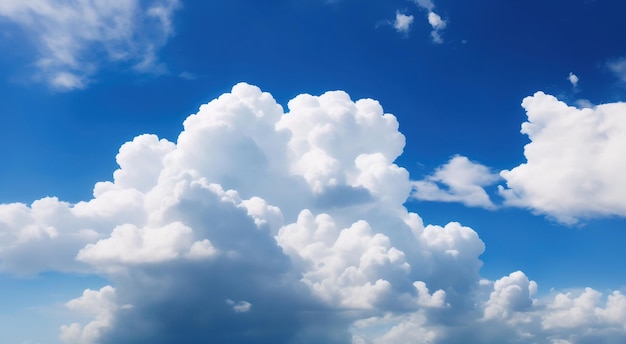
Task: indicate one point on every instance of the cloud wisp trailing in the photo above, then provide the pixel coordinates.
(260, 226)
(73, 38)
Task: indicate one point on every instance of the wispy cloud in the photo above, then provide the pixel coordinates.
(74, 38)
(618, 68)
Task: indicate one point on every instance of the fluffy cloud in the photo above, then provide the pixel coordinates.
(69, 34)
(100, 306)
(572, 170)
(403, 22)
(573, 79)
(438, 25)
(264, 226)
(574, 161)
(462, 180)
(434, 19)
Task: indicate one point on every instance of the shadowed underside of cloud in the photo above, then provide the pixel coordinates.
(260, 226)
(73, 37)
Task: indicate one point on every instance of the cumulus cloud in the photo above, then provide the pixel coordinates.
(572, 170)
(69, 35)
(573, 162)
(403, 22)
(459, 180)
(260, 225)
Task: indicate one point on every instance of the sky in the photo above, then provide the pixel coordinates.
(311, 171)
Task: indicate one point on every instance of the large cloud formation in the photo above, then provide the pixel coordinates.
(575, 160)
(260, 226)
(71, 35)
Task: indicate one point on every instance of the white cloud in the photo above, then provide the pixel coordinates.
(459, 180)
(403, 22)
(70, 35)
(239, 306)
(512, 293)
(260, 225)
(573, 79)
(436, 22)
(99, 305)
(574, 161)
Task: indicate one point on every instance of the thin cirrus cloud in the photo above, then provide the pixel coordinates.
(220, 237)
(573, 168)
(618, 68)
(69, 36)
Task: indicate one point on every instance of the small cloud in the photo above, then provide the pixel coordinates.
(403, 22)
(436, 22)
(68, 81)
(459, 180)
(239, 306)
(573, 79)
(438, 25)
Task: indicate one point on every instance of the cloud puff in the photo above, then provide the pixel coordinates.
(574, 161)
(403, 22)
(573, 79)
(262, 226)
(69, 34)
(459, 180)
(434, 19)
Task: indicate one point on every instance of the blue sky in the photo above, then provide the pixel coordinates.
(102, 226)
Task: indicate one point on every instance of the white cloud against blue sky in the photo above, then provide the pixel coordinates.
(314, 213)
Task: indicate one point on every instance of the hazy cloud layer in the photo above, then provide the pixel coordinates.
(74, 37)
(260, 226)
